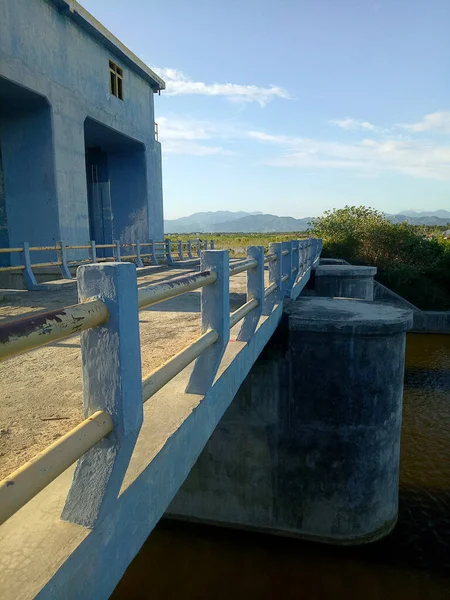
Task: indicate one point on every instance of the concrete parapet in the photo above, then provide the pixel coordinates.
(345, 281)
(310, 445)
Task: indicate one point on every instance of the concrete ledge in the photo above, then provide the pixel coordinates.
(347, 316)
(340, 270)
(432, 321)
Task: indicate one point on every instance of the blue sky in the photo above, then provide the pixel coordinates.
(293, 107)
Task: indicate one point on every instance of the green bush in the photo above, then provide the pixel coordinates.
(410, 264)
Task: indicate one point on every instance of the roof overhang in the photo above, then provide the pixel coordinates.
(74, 11)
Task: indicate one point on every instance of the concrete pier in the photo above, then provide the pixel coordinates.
(345, 281)
(310, 445)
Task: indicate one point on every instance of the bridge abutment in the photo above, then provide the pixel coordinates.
(310, 445)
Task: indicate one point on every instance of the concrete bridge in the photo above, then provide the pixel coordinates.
(72, 531)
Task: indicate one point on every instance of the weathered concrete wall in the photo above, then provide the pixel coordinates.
(43, 50)
(345, 281)
(310, 445)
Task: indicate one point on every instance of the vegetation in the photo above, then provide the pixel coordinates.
(413, 261)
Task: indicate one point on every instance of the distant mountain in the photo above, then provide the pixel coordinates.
(202, 222)
(419, 214)
(235, 222)
(263, 224)
(430, 218)
(224, 221)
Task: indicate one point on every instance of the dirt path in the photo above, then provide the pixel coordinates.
(41, 392)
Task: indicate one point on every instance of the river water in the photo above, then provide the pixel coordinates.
(199, 562)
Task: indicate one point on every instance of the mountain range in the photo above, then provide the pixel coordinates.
(223, 221)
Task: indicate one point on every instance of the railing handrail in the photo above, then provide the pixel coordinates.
(32, 477)
(27, 333)
(20, 335)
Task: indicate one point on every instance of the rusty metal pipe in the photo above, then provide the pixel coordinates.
(21, 335)
(148, 296)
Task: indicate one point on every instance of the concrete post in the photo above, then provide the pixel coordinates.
(189, 249)
(170, 260)
(117, 250)
(153, 259)
(211, 244)
(275, 270)
(30, 279)
(199, 248)
(255, 289)
(345, 281)
(139, 262)
(180, 250)
(215, 306)
(93, 251)
(295, 246)
(112, 382)
(62, 258)
(286, 265)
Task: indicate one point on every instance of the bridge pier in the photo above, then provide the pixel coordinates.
(345, 281)
(310, 445)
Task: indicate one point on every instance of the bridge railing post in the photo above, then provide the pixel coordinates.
(139, 262)
(153, 259)
(287, 267)
(169, 257)
(295, 259)
(215, 307)
(199, 248)
(92, 251)
(117, 250)
(211, 244)
(112, 382)
(61, 251)
(275, 270)
(189, 249)
(180, 250)
(30, 279)
(255, 290)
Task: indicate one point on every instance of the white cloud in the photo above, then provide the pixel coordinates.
(367, 156)
(182, 136)
(437, 121)
(350, 123)
(177, 83)
(414, 158)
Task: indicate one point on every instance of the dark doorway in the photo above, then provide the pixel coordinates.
(116, 184)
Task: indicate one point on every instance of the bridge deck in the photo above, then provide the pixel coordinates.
(42, 395)
(42, 555)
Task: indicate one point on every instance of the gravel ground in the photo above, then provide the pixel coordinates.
(41, 391)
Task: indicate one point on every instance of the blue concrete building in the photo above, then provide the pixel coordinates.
(79, 158)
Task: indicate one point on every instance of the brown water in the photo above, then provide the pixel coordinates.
(198, 562)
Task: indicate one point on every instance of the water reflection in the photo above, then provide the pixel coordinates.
(195, 562)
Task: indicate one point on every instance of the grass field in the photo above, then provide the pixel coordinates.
(236, 243)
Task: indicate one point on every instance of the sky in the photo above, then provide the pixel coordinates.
(293, 107)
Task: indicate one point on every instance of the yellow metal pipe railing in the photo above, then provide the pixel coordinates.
(32, 477)
(243, 265)
(153, 294)
(158, 378)
(242, 311)
(270, 290)
(21, 335)
(15, 268)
